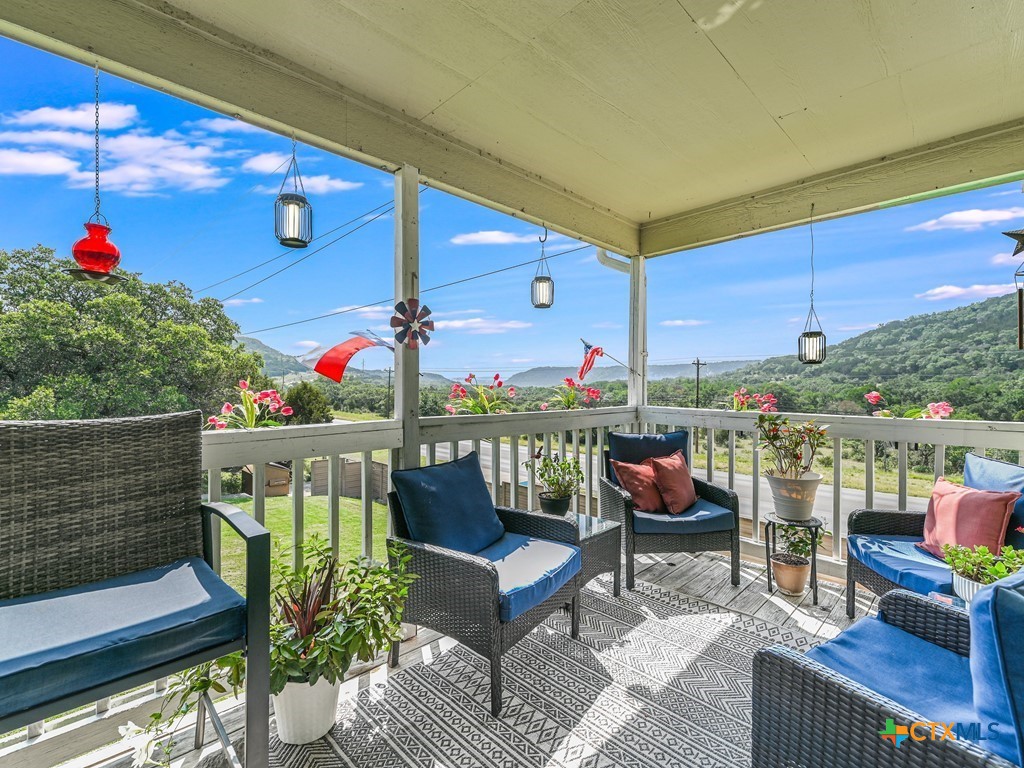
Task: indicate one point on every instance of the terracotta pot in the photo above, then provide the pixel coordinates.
(306, 712)
(965, 588)
(794, 498)
(790, 573)
(554, 505)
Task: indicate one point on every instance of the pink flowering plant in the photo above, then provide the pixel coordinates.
(475, 397)
(742, 400)
(790, 447)
(941, 410)
(572, 395)
(257, 409)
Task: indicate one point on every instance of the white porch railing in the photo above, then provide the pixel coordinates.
(504, 442)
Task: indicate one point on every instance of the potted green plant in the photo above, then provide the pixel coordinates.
(974, 567)
(561, 477)
(792, 565)
(791, 448)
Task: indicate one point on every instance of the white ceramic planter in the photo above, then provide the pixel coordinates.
(794, 499)
(306, 712)
(965, 588)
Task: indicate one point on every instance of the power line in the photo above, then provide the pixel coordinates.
(424, 290)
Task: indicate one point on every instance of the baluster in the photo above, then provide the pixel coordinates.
(431, 454)
(476, 446)
(35, 730)
(940, 461)
(755, 490)
(259, 492)
(588, 478)
(453, 450)
(298, 510)
(690, 443)
(531, 480)
(837, 496)
(576, 455)
(869, 474)
(902, 470)
(334, 503)
(366, 500)
(214, 494)
(732, 459)
(513, 470)
(102, 706)
(711, 454)
(978, 451)
(547, 443)
(496, 470)
(160, 684)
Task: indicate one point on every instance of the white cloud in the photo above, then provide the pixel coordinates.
(455, 312)
(966, 292)
(1007, 259)
(969, 220)
(224, 125)
(73, 139)
(683, 323)
(371, 313)
(319, 185)
(266, 162)
(241, 302)
(306, 345)
(482, 325)
(113, 116)
(18, 162)
(492, 237)
(606, 324)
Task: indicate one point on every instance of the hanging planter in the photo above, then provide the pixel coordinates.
(542, 289)
(95, 255)
(811, 344)
(293, 215)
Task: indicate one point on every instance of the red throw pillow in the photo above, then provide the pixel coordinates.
(674, 481)
(966, 517)
(638, 479)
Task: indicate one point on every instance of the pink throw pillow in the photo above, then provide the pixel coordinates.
(638, 479)
(966, 517)
(674, 481)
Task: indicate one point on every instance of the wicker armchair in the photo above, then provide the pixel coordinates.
(617, 504)
(876, 522)
(806, 714)
(457, 593)
(105, 580)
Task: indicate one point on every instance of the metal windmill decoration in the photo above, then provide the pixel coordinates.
(1018, 236)
(811, 344)
(95, 254)
(411, 324)
(542, 289)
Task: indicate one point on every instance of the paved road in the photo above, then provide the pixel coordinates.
(851, 499)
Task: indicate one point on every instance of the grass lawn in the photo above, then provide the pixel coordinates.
(357, 416)
(279, 522)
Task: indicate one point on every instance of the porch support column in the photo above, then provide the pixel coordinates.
(637, 331)
(407, 286)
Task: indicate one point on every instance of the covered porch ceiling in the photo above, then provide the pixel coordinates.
(644, 126)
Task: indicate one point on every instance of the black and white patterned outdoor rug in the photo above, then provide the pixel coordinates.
(657, 679)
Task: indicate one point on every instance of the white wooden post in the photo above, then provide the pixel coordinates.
(407, 286)
(637, 332)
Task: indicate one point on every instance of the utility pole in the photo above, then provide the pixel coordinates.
(698, 363)
(387, 401)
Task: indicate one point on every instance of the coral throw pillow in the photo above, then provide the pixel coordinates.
(674, 481)
(966, 517)
(639, 480)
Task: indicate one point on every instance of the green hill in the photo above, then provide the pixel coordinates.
(551, 376)
(275, 363)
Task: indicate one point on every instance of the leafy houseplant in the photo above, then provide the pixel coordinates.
(561, 477)
(792, 565)
(480, 398)
(257, 409)
(974, 567)
(572, 395)
(941, 410)
(791, 449)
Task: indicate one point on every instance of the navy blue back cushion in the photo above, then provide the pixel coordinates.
(988, 474)
(633, 449)
(448, 505)
(997, 624)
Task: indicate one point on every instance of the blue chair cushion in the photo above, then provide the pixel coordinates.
(71, 640)
(633, 449)
(701, 517)
(897, 559)
(529, 571)
(987, 474)
(923, 677)
(448, 505)
(997, 626)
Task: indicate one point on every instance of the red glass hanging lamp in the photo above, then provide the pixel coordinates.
(811, 344)
(542, 289)
(293, 215)
(95, 254)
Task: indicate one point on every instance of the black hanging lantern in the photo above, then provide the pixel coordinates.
(1018, 236)
(811, 344)
(293, 215)
(542, 289)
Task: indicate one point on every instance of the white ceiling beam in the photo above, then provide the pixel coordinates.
(994, 155)
(186, 58)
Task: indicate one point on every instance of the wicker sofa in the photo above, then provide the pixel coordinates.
(872, 696)
(645, 533)
(490, 598)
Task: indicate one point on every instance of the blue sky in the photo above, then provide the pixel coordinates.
(190, 192)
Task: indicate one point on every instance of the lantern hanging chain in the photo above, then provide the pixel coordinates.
(96, 157)
(811, 314)
(292, 173)
(542, 264)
